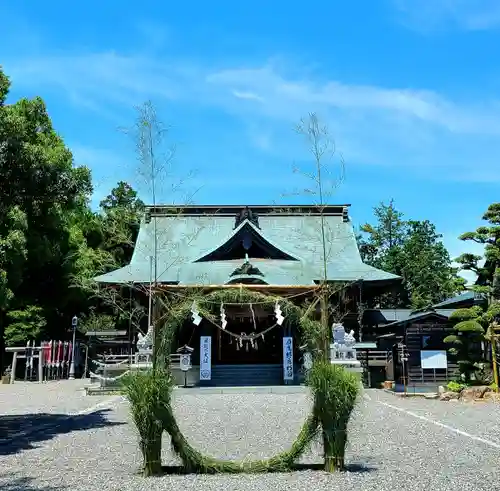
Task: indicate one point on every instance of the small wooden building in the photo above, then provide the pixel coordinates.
(106, 343)
(413, 335)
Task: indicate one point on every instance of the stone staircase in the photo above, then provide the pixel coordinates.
(245, 375)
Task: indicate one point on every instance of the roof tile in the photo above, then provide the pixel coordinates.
(181, 240)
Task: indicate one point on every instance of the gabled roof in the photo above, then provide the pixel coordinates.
(187, 242)
(468, 298)
(247, 230)
(441, 314)
(390, 317)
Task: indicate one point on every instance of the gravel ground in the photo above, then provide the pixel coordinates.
(25, 407)
(454, 413)
(389, 449)
(53, 397)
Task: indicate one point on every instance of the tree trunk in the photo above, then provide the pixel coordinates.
(495, 286)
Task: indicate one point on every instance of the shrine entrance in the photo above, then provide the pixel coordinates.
(265, 348)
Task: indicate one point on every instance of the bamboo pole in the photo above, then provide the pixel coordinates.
(325, 328)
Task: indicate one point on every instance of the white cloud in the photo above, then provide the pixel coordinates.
(104, 78)
(247, 95)
(265, 84)
(390, 126)
(110, 77)
(419, 130)
(432, 15)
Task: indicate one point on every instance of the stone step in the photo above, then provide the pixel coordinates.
(247, 375)
(243, 372)
(248, 379)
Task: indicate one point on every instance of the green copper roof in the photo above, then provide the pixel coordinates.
(292, 239)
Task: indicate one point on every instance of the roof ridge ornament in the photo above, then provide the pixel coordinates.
(247, 269)
(246, 214)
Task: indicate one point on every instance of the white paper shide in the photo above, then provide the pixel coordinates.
(205, 358)
(287, 358)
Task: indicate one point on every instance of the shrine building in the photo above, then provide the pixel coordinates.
(270, 249)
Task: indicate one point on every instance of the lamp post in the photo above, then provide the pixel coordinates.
(74, 323)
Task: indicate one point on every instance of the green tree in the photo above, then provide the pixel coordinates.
(52, 244)
(383, 246)
(104, 241)
(465, 344)
(488, 281)
(27, 324)
(489, 273)
(44, 189)
(413, 250)
(121, 214)
(426, 266)
(123, 196)
(96, 321)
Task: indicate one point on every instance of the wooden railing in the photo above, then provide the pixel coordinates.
(374, 357)
(131, 358)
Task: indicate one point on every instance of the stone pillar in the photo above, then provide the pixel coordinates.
(14, 366)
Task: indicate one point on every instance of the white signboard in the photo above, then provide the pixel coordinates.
(185, 362)
(205, 358)
(433, 360)
(287, 358)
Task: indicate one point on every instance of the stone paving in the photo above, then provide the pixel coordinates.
(395, 444)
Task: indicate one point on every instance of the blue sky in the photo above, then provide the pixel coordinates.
(410, 90)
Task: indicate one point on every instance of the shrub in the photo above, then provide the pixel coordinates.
(455, 386)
